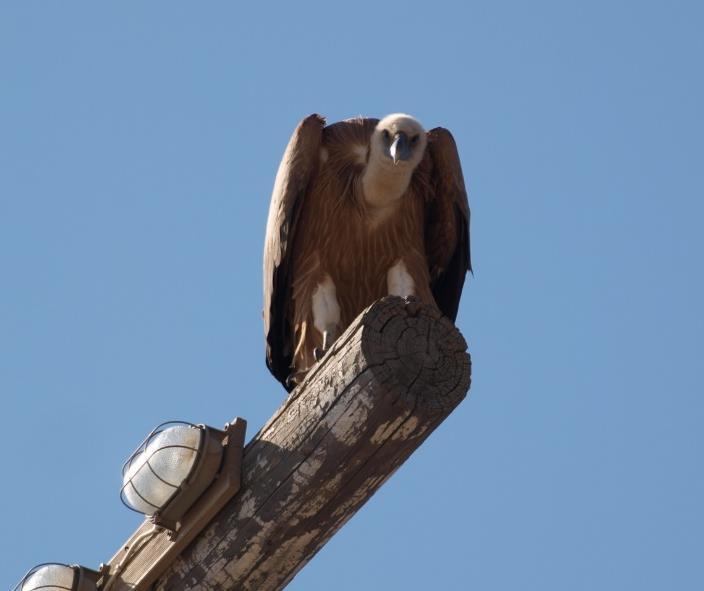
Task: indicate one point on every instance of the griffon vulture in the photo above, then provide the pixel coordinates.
(360, 209)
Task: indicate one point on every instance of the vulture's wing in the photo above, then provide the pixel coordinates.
(297, 167)
(447, 223)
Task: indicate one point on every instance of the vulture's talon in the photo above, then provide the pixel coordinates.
(318, 353)
(412, 305)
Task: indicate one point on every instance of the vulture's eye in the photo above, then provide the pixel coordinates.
(386, 135)
(414, 139)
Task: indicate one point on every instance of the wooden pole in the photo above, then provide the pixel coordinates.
(386, 384)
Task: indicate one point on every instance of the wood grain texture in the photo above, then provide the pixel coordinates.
(386, 384)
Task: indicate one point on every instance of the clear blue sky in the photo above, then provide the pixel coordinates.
(138, 147)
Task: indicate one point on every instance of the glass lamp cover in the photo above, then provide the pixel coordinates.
(49, 577)
(158, 469)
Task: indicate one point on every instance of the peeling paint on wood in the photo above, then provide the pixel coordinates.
(386, 384)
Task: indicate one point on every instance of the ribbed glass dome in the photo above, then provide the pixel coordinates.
(159, 466)
(49, 577)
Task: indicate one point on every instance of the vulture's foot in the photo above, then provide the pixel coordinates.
(413, 305)
(295, 378)
(329, 337)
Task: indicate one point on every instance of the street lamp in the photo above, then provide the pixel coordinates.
(180, 477)
(59, 577)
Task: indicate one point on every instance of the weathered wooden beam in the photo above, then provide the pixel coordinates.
(387, 383)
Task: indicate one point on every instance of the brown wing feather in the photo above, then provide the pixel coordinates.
(447, 223)
(297, 168)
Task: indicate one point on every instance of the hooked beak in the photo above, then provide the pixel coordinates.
(400, 147)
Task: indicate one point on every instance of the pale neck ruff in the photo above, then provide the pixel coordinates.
(383, 183)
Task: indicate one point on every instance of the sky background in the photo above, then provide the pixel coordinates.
(138, 147)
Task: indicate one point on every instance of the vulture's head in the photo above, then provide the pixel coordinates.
(398, 140)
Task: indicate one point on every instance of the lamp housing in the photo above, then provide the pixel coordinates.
(146, 555)
(170, 470)
(54, 576)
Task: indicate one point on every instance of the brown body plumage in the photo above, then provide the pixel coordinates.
(325, 230)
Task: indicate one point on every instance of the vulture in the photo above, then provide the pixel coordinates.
(361, 209)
